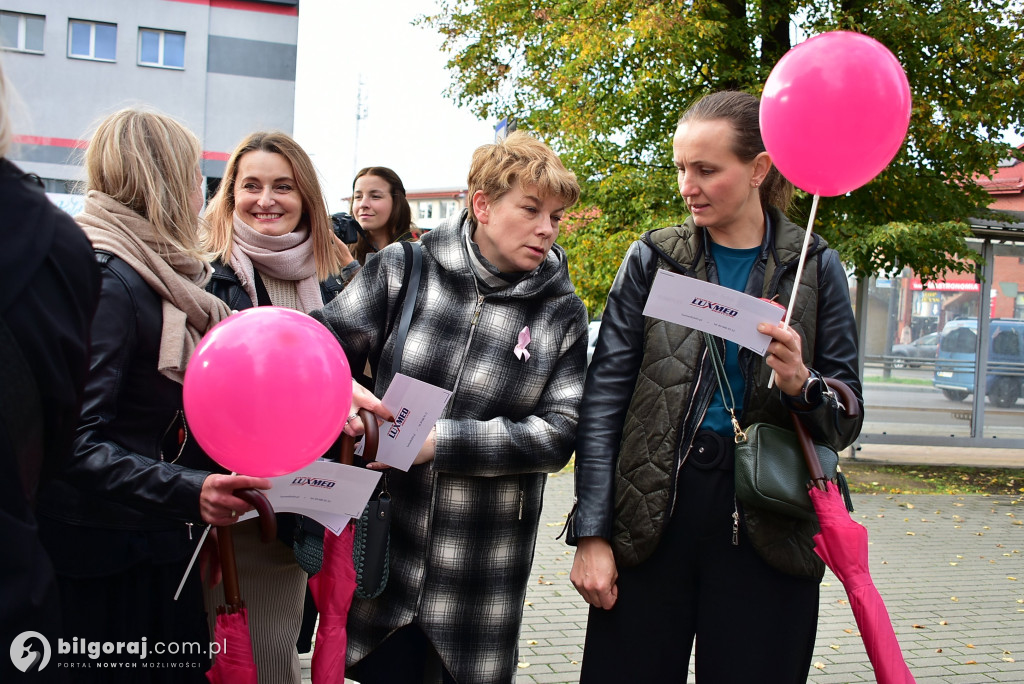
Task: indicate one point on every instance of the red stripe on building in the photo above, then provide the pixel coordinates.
(50, 142)
(244, 6)
(83, 144)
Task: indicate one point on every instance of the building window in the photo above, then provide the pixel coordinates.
(449, 208)
(161, 48)
(22, 32)
(426, 210)
(92, 40)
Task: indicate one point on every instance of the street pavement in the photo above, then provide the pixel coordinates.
(950, 569)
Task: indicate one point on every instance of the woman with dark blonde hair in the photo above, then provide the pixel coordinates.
(271, 233)
(665, 555)
(118, 521)
(382, 211)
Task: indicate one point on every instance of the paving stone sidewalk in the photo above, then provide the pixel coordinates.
(950, 569)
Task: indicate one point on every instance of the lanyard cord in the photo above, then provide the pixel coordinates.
(723, 383)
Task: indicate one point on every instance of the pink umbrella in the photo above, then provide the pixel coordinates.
(235, 664)
(333, 588)
(843, 544)
(335, 584)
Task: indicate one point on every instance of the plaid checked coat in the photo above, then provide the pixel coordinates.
(464, 526)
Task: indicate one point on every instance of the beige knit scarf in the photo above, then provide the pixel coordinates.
(285, 257)
(178, 278)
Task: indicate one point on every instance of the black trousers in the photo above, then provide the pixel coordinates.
(405, 657)
(751, 622)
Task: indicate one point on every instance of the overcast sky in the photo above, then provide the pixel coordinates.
(410, 126)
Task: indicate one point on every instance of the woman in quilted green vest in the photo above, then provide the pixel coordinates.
(664, 552)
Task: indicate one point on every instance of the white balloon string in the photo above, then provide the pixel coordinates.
(195, 554)
(799, 273)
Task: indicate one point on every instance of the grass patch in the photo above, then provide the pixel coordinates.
(875, 478)
(898, 380)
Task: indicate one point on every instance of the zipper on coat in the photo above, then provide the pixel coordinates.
(469, 341)
(182, 435)
(686, 453)
(735, 522)
(445, 414)
(522, 500)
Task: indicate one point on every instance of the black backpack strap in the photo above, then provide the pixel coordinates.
(412, 286)
(21, 410)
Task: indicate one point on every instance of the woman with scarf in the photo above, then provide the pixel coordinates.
(118, 522)
(271, 232)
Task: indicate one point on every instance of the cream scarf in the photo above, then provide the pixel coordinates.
(285, 257)
(188, 310)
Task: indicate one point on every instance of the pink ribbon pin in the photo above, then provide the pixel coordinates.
(524, 339)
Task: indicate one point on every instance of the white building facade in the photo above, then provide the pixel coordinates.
(224, 68)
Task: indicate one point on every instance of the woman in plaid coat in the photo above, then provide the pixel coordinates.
(496, 320)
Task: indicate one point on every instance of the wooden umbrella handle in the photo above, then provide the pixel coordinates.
(226, 545)
(371, 437)
(850, 407)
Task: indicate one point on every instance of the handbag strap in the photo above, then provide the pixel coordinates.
(803, 437)
(414, 250)
(730, 405)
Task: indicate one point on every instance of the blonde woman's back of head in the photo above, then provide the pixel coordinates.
(149, 162)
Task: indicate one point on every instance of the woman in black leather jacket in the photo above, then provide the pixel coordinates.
(122, 520)
(663, 554)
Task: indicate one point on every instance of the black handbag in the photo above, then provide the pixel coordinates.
(370, 552)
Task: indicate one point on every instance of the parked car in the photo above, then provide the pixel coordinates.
(956, 362)
(594, 329)
(924, 347)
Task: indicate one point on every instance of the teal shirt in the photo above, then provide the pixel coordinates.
(734, 267)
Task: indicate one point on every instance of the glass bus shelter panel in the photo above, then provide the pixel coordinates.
(1004, 379)
(904, 394)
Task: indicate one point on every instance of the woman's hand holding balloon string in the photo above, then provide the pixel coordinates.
(785, 357)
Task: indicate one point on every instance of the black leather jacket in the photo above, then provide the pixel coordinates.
(228, 288)
(612, 376)
(128, 470)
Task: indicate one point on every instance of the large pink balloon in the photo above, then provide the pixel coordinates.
(834, 112)
(267, 391)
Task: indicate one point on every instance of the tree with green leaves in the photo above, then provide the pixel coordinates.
(604, 82)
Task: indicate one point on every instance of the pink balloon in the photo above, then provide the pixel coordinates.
(834, 112)
(267, 391)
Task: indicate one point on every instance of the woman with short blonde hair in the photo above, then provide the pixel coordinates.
(496, 321)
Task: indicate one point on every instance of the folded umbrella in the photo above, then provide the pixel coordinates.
(234, 664)
(335, 584)
(842, 543)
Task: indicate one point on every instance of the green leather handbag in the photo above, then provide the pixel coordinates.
(771, 471)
